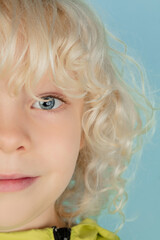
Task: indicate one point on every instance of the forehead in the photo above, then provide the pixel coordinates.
(46, 81)
(26, 67)
(45, 84)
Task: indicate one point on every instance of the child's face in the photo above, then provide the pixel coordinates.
(35, 142)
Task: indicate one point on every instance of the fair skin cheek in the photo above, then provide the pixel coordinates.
(37, 143)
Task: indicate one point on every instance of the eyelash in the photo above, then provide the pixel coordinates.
(61, 98)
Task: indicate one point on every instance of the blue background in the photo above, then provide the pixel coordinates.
(137, 23)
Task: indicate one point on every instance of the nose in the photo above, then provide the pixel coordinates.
(12, 140)
(13, 135)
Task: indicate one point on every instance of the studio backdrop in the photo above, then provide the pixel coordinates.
(137, 23)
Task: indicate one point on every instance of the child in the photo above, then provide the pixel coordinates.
(64, 162)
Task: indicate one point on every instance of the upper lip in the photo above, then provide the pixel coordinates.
(13, 176)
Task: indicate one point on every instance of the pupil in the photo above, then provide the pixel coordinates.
(47, 105)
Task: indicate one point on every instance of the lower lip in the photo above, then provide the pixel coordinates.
(12, 185)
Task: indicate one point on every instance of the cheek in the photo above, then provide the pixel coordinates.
(59, 143)
(65, 147)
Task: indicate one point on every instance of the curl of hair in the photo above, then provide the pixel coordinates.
(66, 37)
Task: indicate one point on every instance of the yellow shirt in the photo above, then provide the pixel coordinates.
(88, 229)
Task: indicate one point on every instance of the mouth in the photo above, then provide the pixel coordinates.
(13, 176)
(15, 183)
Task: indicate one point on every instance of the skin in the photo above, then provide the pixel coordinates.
(37, 143)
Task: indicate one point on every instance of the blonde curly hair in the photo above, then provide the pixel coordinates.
(67, 37)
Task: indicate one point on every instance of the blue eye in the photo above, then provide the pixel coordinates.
(53, 101)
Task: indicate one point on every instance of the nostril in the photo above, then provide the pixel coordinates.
(21, 147)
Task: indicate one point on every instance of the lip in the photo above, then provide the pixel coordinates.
(16, 184)
(13, 176)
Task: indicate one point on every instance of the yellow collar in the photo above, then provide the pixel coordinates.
(88, 229)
